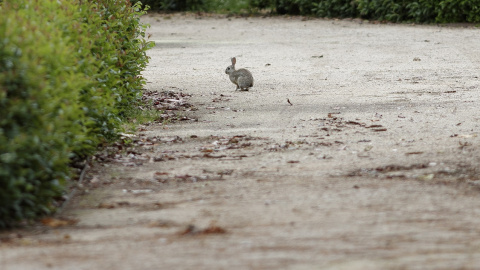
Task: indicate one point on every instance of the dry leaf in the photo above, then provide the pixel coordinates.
(55, 222)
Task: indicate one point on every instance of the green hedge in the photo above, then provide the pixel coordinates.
(422, 11)
(69, 74)
(440, 11)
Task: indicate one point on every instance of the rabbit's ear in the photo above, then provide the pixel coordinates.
(234, 60)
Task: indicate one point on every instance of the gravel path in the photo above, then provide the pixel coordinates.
(357, 148)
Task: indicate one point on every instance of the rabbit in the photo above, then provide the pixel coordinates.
(242, 78)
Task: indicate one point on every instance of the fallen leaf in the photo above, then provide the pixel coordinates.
(353, 123)
(330, 114)
(414, 153)
(212, 156)
(212, 229)
(127, 135)
(193, 230)
(55, 222)
(427, 177)
(374, 126)
(368, 148)
(467, 135)
(106, 205)
(190, 230)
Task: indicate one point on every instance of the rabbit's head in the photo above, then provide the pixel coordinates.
(230, 69)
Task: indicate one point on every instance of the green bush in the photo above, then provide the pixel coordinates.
(229, 6)
(113, 36)
(38, 103)
(69, 74)
(383, 10)
(422, 11)
(121, 48)
(335, 8)
(177, 5)
(458, 11)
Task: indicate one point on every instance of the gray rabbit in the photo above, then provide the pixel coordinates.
(242, 78)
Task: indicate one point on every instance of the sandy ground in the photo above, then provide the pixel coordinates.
(372, 165)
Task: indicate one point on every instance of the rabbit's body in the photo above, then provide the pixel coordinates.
(242, 78)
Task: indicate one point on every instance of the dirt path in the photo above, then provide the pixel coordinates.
(373, 166)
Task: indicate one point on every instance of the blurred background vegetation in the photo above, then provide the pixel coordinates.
(420, 11)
